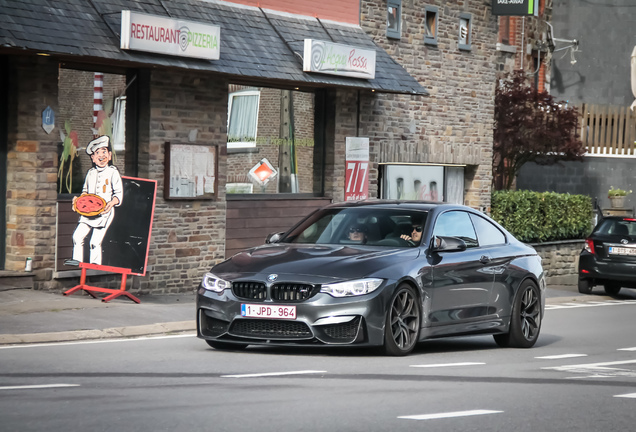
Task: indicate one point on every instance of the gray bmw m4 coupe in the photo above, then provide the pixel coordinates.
(376, 273)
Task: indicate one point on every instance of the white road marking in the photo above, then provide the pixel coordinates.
(561, 356)
(627, 349)
(598, 370)
(97, 341)
(590, 304)
(41, 386)
(628, 395)
(447, 365)
(269, 374)
(449, 415)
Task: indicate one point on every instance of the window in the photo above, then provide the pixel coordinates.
(394, 18)
(487, 233)
(242, 118)
(430, 25)
(262, 156)
(504, 30)
(423, 183)
(465, 29)
(456, 224)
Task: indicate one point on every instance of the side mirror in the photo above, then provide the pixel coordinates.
(274, 237)
(447, 244)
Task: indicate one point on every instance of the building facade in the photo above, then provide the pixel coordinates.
(427, 113)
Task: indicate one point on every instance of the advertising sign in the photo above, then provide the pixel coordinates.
(169, 36)
(338, 59)
(357, 169)
(514, 7)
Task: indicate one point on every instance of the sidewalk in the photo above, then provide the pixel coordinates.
(28, 316)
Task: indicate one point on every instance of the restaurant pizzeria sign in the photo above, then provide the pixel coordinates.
(143, 32)
(338, 59)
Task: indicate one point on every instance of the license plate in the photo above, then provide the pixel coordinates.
(268, 311)
(622, 250)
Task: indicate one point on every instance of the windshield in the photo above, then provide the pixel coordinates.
(366, 225)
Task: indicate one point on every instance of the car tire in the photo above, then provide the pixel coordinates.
(525, 321)
(612, 289)
(402, 323)
(226, 346)
(585, 286)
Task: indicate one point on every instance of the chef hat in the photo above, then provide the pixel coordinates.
(102, 141)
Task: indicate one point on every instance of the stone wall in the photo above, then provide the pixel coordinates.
(454, 124)
(188, 237)
(560, 261)
(31, 166)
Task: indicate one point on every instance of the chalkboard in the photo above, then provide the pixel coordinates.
(127, 241)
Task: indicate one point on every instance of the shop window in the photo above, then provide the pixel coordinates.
(430, 25)
(242, 118)
(465, 29)
(282, 157)
(423, 183)
(394, 18)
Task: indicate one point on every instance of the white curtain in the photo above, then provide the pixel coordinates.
(455, 185)
(118, 119)
(243, 118)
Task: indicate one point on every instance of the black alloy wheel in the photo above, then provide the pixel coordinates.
(226, 346)
(612, 289)
(525, 322)
(402, 327)
(585, 286)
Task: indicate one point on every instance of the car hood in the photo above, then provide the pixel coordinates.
(314, 262)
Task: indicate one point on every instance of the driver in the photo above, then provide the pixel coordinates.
(416, 234)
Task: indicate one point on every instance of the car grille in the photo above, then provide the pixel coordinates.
(293, 292)
(270, 329)
(343, 332)
(249, 290)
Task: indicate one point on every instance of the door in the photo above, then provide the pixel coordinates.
(461, 284)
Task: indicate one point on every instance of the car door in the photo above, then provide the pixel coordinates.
(461, 290)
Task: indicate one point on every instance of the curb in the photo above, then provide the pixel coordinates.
(109, 333)
(167, 328)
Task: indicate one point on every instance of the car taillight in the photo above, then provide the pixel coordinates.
(589, 246)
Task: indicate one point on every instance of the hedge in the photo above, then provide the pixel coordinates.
(542, 216)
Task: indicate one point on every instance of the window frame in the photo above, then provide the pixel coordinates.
(390, 32)
(431, 40)
(231, 96)
(469, 19)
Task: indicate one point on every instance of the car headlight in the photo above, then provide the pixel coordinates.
(351, 288)
(214, 283)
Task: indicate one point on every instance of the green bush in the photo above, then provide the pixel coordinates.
(542, 216)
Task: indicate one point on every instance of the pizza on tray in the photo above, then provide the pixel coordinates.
(89, 205)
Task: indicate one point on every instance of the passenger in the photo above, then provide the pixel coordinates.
(358, 233)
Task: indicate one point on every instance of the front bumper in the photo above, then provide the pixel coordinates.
(320, 320)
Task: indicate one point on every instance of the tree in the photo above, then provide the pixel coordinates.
(530, 126)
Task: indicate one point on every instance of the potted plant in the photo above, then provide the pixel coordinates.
(617, 197)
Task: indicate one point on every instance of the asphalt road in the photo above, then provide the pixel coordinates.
(581, 376)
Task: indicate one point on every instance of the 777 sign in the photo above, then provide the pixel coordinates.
(357, 181)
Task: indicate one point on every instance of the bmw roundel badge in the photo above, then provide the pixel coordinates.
(272, 277)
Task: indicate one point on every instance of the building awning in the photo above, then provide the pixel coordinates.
(257, 45)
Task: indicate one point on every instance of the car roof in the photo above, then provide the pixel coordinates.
(402, 204)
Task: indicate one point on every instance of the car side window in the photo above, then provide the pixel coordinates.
(456, 224)
(487, 233)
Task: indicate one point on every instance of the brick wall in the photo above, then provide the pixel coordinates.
(560, 261)
(452, 125)
(31, 167)
(188, 237)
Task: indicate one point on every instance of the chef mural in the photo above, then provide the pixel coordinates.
(103, 191)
